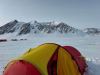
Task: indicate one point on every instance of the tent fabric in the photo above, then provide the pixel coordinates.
(52, 64)
(74, 52)
(21, 68)
(66, 65)
(79, 59)
(49, 59)
(40, 56)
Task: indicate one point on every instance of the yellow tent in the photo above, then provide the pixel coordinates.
(48, 59)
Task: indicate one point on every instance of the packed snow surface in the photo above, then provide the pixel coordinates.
(89, 46)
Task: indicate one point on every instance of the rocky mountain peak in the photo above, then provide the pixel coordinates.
(22, 28)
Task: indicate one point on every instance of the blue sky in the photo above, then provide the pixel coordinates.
(76, 13)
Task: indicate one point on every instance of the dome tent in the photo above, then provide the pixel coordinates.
(48, 59)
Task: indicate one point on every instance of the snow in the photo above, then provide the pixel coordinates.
(88, 46)
(16, 27)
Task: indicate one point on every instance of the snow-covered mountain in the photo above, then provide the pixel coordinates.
(38, 28)
(92, 31)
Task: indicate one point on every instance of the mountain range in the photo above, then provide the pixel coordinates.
(22, 28)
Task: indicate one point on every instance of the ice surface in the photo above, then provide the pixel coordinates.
(88, 46)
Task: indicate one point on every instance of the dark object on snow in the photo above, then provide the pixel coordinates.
(14, 39)
(3, 40)
(23, 39)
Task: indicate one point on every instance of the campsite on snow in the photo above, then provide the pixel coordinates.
(18, 37)
(49, 37)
